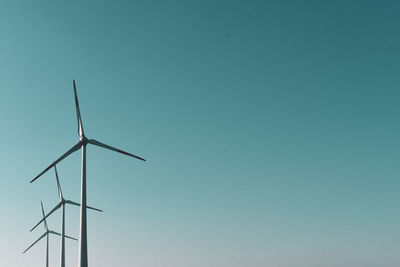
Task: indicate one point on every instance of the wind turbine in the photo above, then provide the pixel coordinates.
(83, 141)
(46, 234)
(61, 204)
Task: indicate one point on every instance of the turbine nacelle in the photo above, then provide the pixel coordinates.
(83, 140)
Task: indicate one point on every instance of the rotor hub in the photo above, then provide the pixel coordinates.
(83, 140)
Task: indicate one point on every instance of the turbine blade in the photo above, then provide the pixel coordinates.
(96, 209)
(35, 242)
(72, 203)
(45, 217)
(58, 184)
(78, 112)
(55, 233)
(97, 143)
(70, 151)
(73, 238)
(77, 204)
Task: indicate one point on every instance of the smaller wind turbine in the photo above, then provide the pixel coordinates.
(46, 234)
(62, 204)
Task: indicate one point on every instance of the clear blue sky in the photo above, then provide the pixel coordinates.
(271, 130)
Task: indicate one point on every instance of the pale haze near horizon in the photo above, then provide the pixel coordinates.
(271, 130)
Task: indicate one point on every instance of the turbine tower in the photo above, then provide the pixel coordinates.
(61, 204)
(83, 141)
(46, 234)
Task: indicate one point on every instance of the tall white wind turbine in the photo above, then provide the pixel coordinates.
(61, 204)
(83, 141)
(46, 234)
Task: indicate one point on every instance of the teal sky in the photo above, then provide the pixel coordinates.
(271, 130)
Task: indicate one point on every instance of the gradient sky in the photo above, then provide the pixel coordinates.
(271, 130)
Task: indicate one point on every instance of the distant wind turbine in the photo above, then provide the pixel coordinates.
(46, 234)
(61, 204)
(83, 141)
